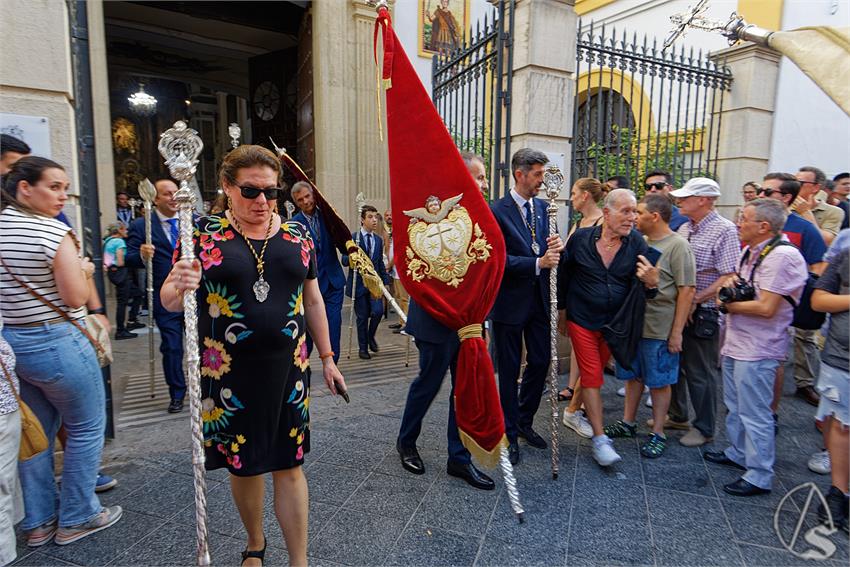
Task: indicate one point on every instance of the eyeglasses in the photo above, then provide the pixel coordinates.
(809, 182)
(658, 186)
(767, 191)
(249, 192)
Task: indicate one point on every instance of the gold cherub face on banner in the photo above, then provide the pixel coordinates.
(441, 241)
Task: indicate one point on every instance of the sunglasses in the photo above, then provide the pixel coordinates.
(658, 186)
(252, 192)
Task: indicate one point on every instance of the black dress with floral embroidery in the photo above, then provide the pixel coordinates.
(254, 386)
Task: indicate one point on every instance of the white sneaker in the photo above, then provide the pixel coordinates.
(820, 463)
(622, 391)
(578, 423)
(603, 451)
(648, 402)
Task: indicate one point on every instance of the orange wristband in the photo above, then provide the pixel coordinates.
(326, 355)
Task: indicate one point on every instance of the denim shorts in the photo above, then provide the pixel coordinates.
(834, 389)
(654, 365)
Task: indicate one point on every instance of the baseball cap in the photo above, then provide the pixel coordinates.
(698, 187)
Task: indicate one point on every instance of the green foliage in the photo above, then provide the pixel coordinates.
(633, 158)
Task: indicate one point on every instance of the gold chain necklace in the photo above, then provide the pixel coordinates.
(260, 287)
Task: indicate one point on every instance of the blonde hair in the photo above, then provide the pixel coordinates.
(592, 186)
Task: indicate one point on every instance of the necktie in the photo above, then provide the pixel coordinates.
(529, 220)
(369, 244)
(175, 235)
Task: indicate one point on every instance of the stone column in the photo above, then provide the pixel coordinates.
(746, 120)
(102, 115)
(543, 91)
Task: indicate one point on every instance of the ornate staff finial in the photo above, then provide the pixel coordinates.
(235, 133)
(181, 146)
(734, 29)
(553, 180)
(277, 149)
(290, 209)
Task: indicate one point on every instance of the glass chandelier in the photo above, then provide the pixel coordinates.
(142, 103)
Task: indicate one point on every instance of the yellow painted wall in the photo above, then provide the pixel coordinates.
(763, 13)
(585, 6)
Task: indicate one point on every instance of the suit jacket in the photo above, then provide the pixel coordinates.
(423, 327)
(329, 270)
(377, 257)
(162, 256)
(520, 283)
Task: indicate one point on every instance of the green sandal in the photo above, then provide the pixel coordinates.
(620, 429)
(654, 446)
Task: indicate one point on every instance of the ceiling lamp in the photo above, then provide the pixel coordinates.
(142, 103)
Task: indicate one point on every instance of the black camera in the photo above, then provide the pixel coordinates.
(741, 291)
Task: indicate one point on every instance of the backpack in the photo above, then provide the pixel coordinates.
(805, 317)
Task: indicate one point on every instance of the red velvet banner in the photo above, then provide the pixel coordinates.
(448, 247)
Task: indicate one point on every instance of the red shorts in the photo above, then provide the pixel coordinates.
(591, 352)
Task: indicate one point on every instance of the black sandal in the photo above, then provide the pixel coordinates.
(568, 397)
(255, 554)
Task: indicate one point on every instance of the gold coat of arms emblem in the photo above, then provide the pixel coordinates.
(444, 242)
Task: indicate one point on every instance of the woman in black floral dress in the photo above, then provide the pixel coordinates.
(256, 283)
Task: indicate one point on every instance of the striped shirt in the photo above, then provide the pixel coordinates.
(714, 242)
(28, 245)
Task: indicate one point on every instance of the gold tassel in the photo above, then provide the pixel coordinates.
(378, 100)
(483, 457)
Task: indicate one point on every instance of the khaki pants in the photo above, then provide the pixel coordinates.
(401, 296)
(11, 500)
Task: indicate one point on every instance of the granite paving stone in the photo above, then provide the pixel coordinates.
(387, 495)
(432, 547)
(684, 477)
(452, 505)
(356, 538)
(539, 551)
(38, 559)
(332, 483)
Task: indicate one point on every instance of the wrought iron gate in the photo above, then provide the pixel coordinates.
(639, 108)
(471, 87)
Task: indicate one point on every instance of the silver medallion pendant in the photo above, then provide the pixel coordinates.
(535, 247)
(261, 289)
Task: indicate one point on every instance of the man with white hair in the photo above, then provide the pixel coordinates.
(759, 305)
(714, 242)
(593, 282)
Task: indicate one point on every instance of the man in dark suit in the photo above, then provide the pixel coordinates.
(368, 310)
(438, 347)
(164, 238)
(521, 310)
(331, 278)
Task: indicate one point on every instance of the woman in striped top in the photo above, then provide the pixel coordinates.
(57, 365)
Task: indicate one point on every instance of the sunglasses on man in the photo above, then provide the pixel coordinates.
(658, 186)
(252, 192)
(767, 192)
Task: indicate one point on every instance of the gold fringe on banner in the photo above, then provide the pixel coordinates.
(483, 457)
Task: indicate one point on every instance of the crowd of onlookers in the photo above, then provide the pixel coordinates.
(680, 297)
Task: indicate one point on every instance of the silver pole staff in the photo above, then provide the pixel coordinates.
(360, 199)
(553, 179)
(181, 146)
(148, 194)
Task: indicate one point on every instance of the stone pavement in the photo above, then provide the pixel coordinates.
(366, 510)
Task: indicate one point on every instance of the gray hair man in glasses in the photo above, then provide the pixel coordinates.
(811, 203)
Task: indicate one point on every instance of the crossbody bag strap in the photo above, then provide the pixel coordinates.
(8, 376)
(47, 302)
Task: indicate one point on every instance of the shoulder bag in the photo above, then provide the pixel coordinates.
(33, 438)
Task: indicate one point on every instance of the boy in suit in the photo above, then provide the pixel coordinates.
(164, 238)
(367, 309)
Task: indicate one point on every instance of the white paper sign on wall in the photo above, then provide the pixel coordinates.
(33, 130)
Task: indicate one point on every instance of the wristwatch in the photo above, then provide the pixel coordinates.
(98, 311)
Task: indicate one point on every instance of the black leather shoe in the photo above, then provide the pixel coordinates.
(720, 458)
(395, 326)
(531, 437)
(743, 488)
(133, 325)
(364, 355)
(410, 459)
(373, 346)
(513, 453)
(124, 334)
(808, 395)
(176, 406)
(473, 477)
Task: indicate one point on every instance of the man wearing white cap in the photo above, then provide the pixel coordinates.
(714, 242)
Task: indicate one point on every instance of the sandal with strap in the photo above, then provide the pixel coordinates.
(255, 554)
(620, 429)
(654, 446)
(566, 397)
